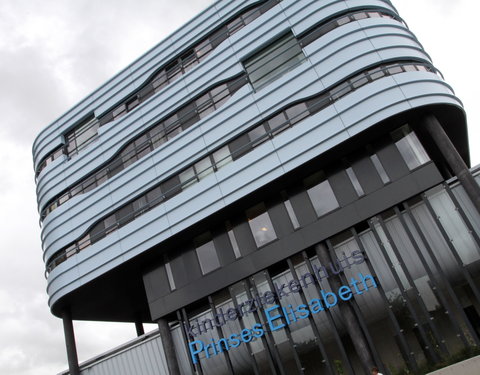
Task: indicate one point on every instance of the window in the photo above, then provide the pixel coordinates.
(203, 48)
(297, 112)
(343, 20)
(261, 225)
(321, 194)
(157, 136)
(359, 81)
(257, 135)
(110, 223)
(278, 123)
(119, 111)
(291, 214)
(233, 240)
(132, 103)
(360, 16)
(354, 180)
(222, 157)
(171, 281)
(124, 214)
(188, 115)
(318, 103)
(376, 73)
(410, 147)
(341, 90)
(82, 135)
(395, 70)
(97, 232)
(187, 178)
(206, 253)
(203, 168)
(273, 61)
(154, 196)
(159, 81)
(139, 205)
(204, 105)
(379, 167)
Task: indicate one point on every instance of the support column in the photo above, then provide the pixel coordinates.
(348, 314)
(70, 343)
(168, 347)
(453, 158)
(139, 328)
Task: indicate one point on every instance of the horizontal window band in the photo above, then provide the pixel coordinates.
(156, 135)
(167, 74)
(304, 39)
(267, 129)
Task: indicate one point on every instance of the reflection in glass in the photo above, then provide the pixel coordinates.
(261, 225)
(273, 61)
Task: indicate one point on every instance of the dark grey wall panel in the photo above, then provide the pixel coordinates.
(223, 247)
(191, 264)
(156, 283)
(393, 162)
(244, 237)
(343, 188)
(179, 270)
(280, 219)
(303, 208)
(367, 175)
(290, 243)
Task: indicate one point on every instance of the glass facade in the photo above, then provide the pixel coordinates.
(410, 147)
(408, 276)
(275, 60)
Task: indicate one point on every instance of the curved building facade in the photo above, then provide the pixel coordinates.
(282, 186)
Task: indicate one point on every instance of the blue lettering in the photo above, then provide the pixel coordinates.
(257, 330)
(345, 293)
(236, 342)
(194, 351)
(325, 296)
(303, 311)
(315, 305)
(271, 319)
(246, 335)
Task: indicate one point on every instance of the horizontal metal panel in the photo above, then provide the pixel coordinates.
(282, 89)
(143, 358)
(136, 73)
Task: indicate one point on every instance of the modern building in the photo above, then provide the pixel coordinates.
(282, 186)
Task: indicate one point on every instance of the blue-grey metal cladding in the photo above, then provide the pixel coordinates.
(330, 59)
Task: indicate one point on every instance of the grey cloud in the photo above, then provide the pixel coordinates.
(30, 93)
(52, 54)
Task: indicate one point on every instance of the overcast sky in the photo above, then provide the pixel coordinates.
(55, 52)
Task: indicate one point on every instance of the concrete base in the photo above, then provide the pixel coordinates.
(468, 367)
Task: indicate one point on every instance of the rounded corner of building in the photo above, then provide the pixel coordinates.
(454, 121)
